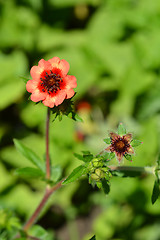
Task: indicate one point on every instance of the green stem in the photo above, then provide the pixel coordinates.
(48, 170)
(49, 191)
(140, 170)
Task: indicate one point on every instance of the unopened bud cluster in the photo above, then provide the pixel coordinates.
(98, 171)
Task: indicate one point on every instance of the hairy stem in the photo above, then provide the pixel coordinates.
(38, 210)
(49, 190)
(140, 170)
(48, 170)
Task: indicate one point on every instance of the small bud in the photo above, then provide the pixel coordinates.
(98, 174)
(90, 168)
(94, 177)
(97, 162)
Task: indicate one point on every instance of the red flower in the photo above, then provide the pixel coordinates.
(50, 82)
(120, 145)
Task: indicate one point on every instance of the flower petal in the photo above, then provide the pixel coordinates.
(31, 86)
(56, 100)
(35, 72)
(128, 137)
(114, 135)
(49, 101)
(119, 157)
(58, 68)
(63, 65)
(71, 81)
(54, 61)
(60, 97)
(44, 64)
(70, 92)
(130, 150)
(37, 96)
(109, 148)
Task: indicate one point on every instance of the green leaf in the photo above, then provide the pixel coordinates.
(87, 157)
(86, 152)
(40, 233)
(29, 172)
(107, 140)
(29, 154)
(79, 156)
(25, 80)
(76, 173)
(156, 192)
(105, 186)
(56, 173)
(121, 129)
(93, 238)
(158, 160)
(11, 88)
(136, 143)
(10, 93)
(128, 157)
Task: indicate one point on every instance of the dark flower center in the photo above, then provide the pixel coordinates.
(120, 145)
(51, 82)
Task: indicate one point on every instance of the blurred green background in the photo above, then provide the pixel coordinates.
(113, 47)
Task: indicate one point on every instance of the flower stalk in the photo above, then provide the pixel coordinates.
(49, 190)
(51, 85)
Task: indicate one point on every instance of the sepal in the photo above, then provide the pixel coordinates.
(65, 109)
(121, 129)
(128, 157)
(135, 143)
(107, 140)
(93, 238)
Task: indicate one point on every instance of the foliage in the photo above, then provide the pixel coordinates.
(113, 50)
